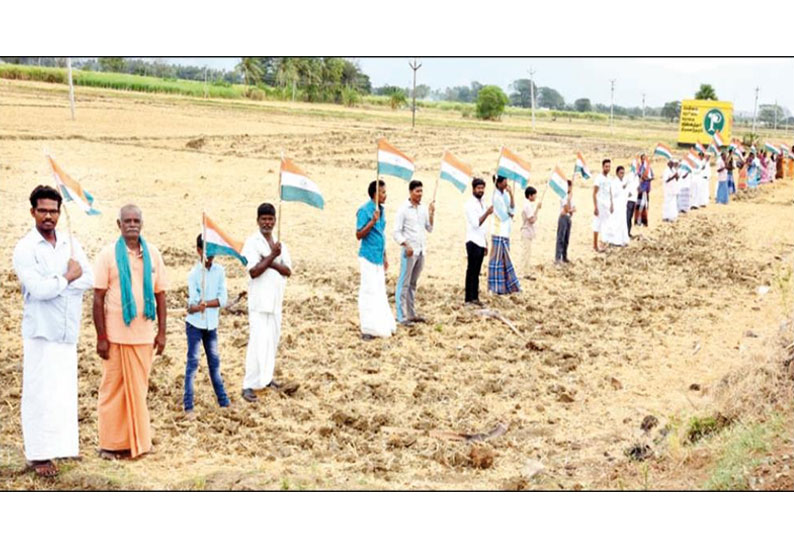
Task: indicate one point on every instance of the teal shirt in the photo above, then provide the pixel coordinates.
(216, 289)
(373, 245)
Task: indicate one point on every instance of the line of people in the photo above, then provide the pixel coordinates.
(129, 282)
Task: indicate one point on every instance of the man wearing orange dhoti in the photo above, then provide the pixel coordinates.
(130, 281)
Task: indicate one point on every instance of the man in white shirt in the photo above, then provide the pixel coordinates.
(476, 214)
(412, 221)
(54, 273)
(502, 278)
(632, 193)
(269, 266)
(603, 205)
(670, 184)
(529, 217)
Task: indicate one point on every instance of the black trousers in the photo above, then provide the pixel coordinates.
(630, 213)
(475, 255)
(563, 236)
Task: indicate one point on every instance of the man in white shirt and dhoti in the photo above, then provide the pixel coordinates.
(269, 266)
(54, 273)
(602, 203)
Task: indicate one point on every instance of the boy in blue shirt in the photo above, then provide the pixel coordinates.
(201, 325)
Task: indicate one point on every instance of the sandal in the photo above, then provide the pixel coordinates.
(43, 469)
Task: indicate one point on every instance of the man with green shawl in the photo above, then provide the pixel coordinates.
(129, 295)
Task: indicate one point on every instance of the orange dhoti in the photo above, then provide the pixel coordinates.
(123, 414)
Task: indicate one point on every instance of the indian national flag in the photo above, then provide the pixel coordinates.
(581, 166)
(663, 151)
(687, 164)
(296, 186)
(512, 167)
(716, 144)
(771, 148)
(635, 165)
(558, 182)
(217, 241)
(71, 189)
(457, 172)
(700, 148)
(785, 151)
(394, 162)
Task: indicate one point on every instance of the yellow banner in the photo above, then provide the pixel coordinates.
(701, 118)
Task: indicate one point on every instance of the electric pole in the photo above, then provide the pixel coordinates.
(755, 107)
(775, 115)
(71, 85)
(643, 106)
(414, 66)
(611, 105)
(532, 95)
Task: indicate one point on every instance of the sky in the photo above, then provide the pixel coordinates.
(661, 79)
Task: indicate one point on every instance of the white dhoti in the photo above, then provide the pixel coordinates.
(373, 304)
(49, 400)
(264, 331)
(601, 222)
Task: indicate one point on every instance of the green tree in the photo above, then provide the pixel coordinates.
(550, 98)
(671, 110)
(111, 63)
(491, 102)
(398, 98)
(522, 95)
(582, 105)
(769, 113)
(706, 92)
(251, 69)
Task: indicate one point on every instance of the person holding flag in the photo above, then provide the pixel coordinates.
(644, 195)
(54, 273)
(269, 266)
(206, 284)
(529, 216)
(412, 221)
(129, 295)
(632, 193)
(373, 304)
(670, 180)
(703, 179)
(722, 179)
(603, 204)
(502, 277)
(476, 239)
(564, 189)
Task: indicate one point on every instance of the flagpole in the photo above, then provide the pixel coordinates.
(203, 261)
(440, 169)
(278, 226)
(376, 195)
(65, 208)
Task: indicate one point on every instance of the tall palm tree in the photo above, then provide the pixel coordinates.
(251, 69)
(706, 92)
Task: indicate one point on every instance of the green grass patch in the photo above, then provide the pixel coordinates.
(706, 426)
(740, 453)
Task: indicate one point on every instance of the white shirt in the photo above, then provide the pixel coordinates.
(265, 292)
(527, 227)
(411, 224)
(52, 306)
(603, 197)
(632, 187)
(503, 214)
(475, 232)
(670, 187)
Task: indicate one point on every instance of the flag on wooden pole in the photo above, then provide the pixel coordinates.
(455, 171)
(663, 151)
(511, 166)
(394, 162)
(581, 166)
(217, 241)
(558, 182)
(296, 185)
(71, 189)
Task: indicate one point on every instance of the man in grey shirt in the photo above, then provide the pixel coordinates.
(413, 220)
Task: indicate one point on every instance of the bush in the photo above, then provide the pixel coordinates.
(491, 102)
(350, 97)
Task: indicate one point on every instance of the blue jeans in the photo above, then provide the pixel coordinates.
(210, 339)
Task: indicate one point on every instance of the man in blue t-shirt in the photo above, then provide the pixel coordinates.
(377, 319)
